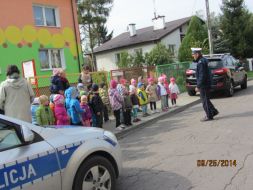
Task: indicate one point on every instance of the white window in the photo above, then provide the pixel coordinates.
(172, 49)
(46, 16)
(51, 58)
(117, 57)
(139, 50)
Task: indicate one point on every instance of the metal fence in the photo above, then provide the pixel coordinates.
(134, 72)
(41, 84)
(176, 70)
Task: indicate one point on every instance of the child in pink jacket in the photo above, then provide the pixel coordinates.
(60, 112)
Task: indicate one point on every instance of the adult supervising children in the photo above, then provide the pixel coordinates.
(203, 76)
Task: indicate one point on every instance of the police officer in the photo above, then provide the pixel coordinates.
(203, 76)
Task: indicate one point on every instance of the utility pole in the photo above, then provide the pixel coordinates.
(209, 28)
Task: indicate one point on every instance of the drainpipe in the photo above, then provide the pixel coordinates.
(76, 33)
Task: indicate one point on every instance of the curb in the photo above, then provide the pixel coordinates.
(129, 130)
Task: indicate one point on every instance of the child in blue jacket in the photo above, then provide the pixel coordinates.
(73, 106)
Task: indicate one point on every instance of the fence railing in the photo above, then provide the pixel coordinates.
(176, 70)
(41, 84)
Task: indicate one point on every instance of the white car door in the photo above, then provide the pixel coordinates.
(33, 166)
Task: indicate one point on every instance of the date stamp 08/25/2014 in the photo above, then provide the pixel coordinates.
(216, 163)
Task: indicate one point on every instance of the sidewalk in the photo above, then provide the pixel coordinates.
(183, 102)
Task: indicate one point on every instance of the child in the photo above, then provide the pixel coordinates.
(116, 102)
(132, 86)
(152, 94)
(122, 86)
(127, 108)
(60, 112)
(81, 90)
(34, 107)
(166, 85)
(143, 99)
(44, 114)
(162, 93)
(73, 107)
(96, 106)
(105, 99)
(86, 115)
(174, 91)
(135, 103)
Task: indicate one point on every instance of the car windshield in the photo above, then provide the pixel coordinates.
(212, 64)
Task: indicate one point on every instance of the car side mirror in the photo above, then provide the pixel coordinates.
(27, 134)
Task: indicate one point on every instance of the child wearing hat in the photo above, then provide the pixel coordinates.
(35, 105)
(60, 112)
(44, 114)
(143, 99)
(152, 94)
(73, 106)
(116, 101)
(105, 99)
(97, 106)
(86, 115)
(174, 91)
(162, 93)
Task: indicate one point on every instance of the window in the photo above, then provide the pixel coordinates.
(117, 57)
(51, 58)
(8, 137)
(172, 49)
(45, 16)
(139, 50)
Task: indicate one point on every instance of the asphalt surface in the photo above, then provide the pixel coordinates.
(163, 156)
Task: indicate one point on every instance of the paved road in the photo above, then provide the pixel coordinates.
(164, 156)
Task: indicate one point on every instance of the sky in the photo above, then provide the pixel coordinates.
(141, 12)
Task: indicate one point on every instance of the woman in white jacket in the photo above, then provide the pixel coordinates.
(16, 95)
(174, 91)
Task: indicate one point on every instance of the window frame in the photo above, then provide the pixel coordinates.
(62, 57)
(173, 48)
(117, 57)
(57, 15)
(17, 128)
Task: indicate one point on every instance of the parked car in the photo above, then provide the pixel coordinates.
(33, 157)
(227, 73)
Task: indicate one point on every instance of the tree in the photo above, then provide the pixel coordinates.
(234, 23)
(159, 55)
(138, 59)
(125, 60)
(92, 14)
(196, 36)
(220, 44)
(103, 35)
(248, 37)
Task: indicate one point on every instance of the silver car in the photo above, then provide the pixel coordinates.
(33, 157)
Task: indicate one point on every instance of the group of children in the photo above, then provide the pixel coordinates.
(90, 106)
(128, 101)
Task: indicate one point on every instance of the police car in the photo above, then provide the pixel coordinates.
(33, 157)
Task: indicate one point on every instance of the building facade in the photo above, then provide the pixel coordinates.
(45, 31)
(170, 34)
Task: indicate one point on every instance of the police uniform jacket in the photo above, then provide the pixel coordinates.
(203, 74)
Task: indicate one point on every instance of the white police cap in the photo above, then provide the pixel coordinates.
(196, 50)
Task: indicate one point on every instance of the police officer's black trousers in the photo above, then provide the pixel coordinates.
(207, 104)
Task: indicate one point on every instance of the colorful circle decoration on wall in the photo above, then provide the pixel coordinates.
(68, 35)
(58, 41)
(44, 37)
(13, 34)
(2, 37)
(29, 34)
(72, 49)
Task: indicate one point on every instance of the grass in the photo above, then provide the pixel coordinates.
(250, 74)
